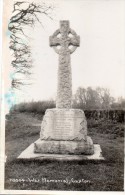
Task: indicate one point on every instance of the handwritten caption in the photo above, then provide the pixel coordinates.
(46, 180)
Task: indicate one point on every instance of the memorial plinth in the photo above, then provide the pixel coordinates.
(63, 124)
(64, 131)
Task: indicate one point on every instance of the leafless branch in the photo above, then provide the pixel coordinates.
(24, 14)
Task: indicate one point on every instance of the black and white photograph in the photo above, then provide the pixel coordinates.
(62, 96)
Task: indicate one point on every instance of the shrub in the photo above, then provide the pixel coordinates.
(40, 107)
(35, 107)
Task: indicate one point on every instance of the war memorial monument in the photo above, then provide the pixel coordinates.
(63, 132)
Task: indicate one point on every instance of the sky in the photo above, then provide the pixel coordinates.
(99, 61)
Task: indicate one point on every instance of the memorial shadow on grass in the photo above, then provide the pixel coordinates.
(22, 129)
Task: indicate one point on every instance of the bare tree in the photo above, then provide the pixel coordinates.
(87, 98)
(80, 97)
(106, 98)
(93, 98)
(25, 14)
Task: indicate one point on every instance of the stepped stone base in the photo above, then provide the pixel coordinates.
(63, 136)
(28, 154)
(64, 131)
(64, 147)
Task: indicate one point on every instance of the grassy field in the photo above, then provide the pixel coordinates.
(22, 129)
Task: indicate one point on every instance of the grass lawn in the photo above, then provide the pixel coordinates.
(22, 129)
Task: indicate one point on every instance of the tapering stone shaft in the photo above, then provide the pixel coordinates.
(64, 41)
(64, 89)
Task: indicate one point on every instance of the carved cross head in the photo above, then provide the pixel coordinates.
(64, 40)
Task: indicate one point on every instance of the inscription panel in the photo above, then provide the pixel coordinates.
(63, 124)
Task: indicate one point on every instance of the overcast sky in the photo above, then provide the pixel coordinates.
(100, 59)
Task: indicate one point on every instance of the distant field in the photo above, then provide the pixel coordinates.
(23, 128)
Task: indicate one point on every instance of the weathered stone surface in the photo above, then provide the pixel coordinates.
(64, 147)
(67, 41)
(64, 124)
(29, 153)
(64, 130)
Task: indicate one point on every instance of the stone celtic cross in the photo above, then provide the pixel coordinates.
(64, 41)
